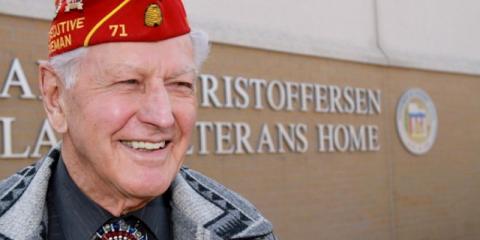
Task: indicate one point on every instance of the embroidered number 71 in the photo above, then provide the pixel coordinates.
(118, 29)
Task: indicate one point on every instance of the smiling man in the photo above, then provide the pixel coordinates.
(119, 88)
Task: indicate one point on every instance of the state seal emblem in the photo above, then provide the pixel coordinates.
(417, 121)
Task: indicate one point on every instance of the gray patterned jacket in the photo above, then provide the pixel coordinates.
(201, 208)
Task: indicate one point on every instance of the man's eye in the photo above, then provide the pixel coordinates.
(185, 84)
(181, 87)
(130, 81)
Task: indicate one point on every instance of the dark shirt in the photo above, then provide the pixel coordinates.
(73, 216)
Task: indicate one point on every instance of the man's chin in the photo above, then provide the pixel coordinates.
(146, 187)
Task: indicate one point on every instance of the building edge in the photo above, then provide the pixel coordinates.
(310, 47)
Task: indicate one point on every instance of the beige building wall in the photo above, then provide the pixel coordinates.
(386, 194)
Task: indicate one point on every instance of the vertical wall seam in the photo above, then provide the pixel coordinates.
(376, 27)
(389, 161)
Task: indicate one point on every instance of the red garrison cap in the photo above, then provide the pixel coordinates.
(85, 23)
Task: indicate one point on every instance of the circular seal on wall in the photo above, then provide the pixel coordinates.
(417, 121)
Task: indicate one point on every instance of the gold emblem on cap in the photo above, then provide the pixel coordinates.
(153, 15)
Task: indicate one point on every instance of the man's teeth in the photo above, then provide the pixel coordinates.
(145, 145)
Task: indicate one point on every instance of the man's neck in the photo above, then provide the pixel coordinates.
(100, 191)
(73, 215)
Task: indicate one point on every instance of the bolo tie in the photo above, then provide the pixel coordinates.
(122, 228)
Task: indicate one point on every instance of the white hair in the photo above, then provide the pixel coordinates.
(66, 65)
(201, 47)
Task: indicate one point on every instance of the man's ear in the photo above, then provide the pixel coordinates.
(52, 88)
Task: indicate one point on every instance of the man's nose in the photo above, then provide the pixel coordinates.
(156, 108)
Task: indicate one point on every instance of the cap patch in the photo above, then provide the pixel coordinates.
(153, 16)
(74, 4)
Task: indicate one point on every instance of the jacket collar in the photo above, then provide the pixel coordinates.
(201, 207)
(23, 211)
(213, 211)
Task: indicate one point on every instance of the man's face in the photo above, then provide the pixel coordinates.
(131, 113)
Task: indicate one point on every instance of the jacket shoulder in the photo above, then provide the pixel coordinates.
(12, 187)
(239, 219)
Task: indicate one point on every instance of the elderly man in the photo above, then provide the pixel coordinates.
(119, 88)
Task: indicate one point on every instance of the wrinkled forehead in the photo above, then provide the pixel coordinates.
(171, 55)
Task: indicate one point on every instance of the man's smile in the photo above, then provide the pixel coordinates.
(145, 145)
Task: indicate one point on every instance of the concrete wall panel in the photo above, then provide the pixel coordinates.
(338, 29)
(428, 34)
(435, 34)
